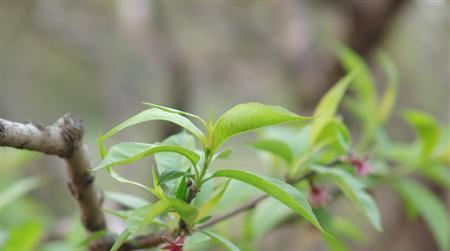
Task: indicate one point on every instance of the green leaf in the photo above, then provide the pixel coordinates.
(335, 135)
(222, 241)
(171, 174)
(127, 200)
(129, 152)
(281, 191)
(210, 204)
(188, 212)
(276, 147)
(156, 114)
(430, 207)
(387, 102)
(19, 189)
(225, 154)
(143, 216)
(168, 109)
(247, 117)
(328, 105)
(24, 237)
(364, 83)
(354, 190)
(166, 160)
(427, 129)
(121, 179)
(123, 237)
(365, 104)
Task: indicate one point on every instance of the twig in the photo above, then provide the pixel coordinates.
(64, 139)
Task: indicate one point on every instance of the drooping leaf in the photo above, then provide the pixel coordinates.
(430, 207)
(281, 191)
(143, 216)
(94, 236)
(328, 105)
(156, 114)
(19, 189)
(388, 100)
(276, 147)
(209, 205)
(427, 129)
(246, 117)
(127, 200)
(128, 152)
(354, 190)
(24, 237)
(220, 240)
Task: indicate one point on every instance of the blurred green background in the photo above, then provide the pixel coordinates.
(100, 59)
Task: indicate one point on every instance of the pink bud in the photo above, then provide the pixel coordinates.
(318, 196)
(363, 168)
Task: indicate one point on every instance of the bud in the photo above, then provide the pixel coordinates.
(362, 167)
(173, 245)
(318, 196)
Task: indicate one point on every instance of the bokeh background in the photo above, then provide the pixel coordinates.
(100, 59)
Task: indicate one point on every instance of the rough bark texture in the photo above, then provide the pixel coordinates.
(64, 139)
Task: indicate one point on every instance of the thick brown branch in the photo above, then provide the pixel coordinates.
(64, 139)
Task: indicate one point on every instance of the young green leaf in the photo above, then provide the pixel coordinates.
(328, 105)
(128, 152)
(171, 174)
(123, 237)
(126, 199)
(143, 216)
(388, 100)
(167, 160)
(188, 212)
(247, 117)
(121, 179)
(365, 105)
(427, 129)
(354, 190)
(276, 147)
(222, 241)
(430, 207)
(225, 154)
(156, 114)
(168, 109)
(209, 205)
(283, 192)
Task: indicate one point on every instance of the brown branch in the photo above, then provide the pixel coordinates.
(64, 139)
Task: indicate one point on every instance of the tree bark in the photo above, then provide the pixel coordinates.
(63, 139)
